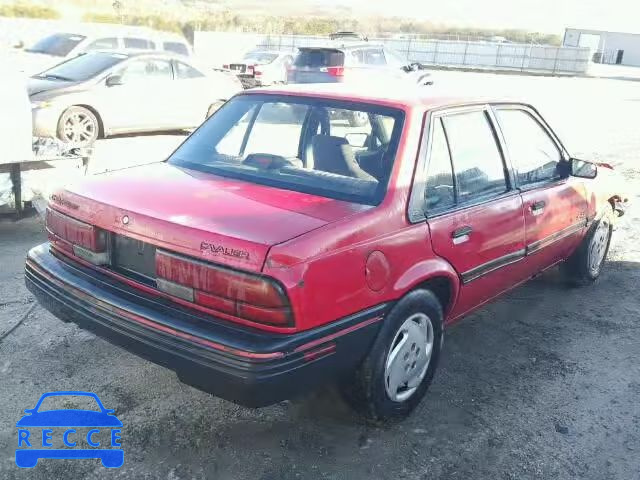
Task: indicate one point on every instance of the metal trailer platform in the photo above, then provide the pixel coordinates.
(37, 163)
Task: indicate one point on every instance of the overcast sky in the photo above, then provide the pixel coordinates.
(542, 15)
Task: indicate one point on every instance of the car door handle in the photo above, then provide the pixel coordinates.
(461, 235)
(538, 207)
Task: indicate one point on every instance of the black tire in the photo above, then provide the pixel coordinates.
(578, 269)
(366, 390)
(83, 137)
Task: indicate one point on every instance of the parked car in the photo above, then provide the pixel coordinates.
(361, 63)
(103, 93)
(54, 48)
(347, 35)
(262, 67)
(278, 248)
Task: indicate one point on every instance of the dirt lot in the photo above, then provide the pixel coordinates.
(542, 384)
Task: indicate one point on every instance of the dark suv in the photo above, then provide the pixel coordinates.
(357, 62)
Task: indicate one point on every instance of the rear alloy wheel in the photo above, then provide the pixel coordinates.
(401, 364)
(78, 126)
(408, 359)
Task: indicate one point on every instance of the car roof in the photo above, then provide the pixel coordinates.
(338, 45)
(404, 97)
(275, 52)
(131, 53)
(99, 30)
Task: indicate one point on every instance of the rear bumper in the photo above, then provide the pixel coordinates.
(242, 365)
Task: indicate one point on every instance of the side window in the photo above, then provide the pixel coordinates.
(184, 71)
(534, 154)
(144, 70)
(103, 44)
(394, 58)
(142, 43)
(357, 57)
(477, 161)
(374, 56)
(440, 189)
(175, 47)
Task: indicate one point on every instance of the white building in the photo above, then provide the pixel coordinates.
(607, 47)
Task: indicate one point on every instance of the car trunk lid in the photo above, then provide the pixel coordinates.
(198, 214)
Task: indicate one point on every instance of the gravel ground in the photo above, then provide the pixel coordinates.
(541, 384)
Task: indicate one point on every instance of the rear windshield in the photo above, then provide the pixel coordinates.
(260, 57)
(319, 58)
(58, 44)
(83, 67)
(324, 147)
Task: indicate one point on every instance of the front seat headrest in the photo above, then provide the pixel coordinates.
(335, 155)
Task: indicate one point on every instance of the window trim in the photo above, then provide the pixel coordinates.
(417, 206)
(87, 47)
(528, 109)
(174, 69)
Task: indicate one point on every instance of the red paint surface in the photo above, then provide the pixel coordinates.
(317, 248)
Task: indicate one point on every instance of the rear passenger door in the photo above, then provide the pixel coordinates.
(554, 203)
(473, 210)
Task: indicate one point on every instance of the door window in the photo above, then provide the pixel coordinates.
(440, 189)
(533, 152)
(103, 44)
(184, 71)
(148, 69)
(477, 161)
(142, 43)
(176, 47)
(374, 56)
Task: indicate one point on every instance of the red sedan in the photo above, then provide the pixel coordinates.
(281, 247)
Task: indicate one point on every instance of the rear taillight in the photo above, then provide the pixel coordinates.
(243, 295)
(335, 71)
(250, 68)
(82, 239)
(225, 66)
(257, 73)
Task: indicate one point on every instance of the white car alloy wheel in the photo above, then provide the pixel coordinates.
(598, 246)
(409, 356)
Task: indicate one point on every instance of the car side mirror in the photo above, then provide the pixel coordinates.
(357, 140)
(583, 169)
(114, 80)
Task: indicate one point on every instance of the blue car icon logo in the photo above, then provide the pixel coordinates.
(74, 428)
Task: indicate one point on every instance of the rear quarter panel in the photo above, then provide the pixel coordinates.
(326, 271)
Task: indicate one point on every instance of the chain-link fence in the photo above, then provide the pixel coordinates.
(462, 53)
(450, 53)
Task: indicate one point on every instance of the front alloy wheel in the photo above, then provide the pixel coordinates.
(599, 245)
(78, 126)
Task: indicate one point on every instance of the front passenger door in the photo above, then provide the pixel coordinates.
(554, 203)
(474, 213)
